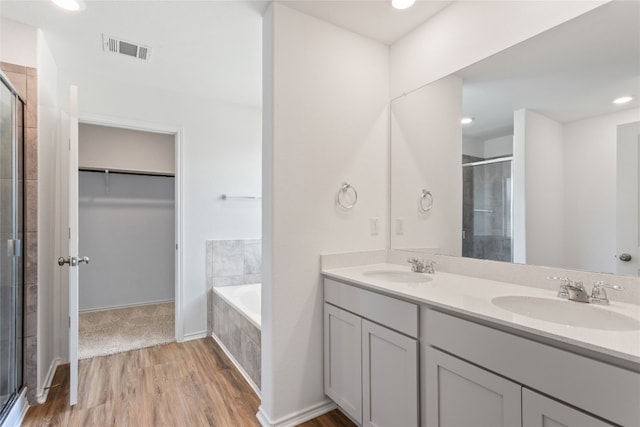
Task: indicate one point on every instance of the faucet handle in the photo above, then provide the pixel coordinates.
(563, 292)
(598, 293)
(430, 266)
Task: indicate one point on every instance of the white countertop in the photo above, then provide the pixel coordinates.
(472, 296)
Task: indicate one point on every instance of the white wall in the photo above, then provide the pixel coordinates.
(103, 147)
(427, 154)
(327, 92)
(128, 228)
(50, 296)
(18, 43)
(498, 147)
(468, 31)
(544, 175)
(589, 187)
(221, 154)
(24, 45)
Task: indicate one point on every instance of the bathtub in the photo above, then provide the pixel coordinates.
(244, 298)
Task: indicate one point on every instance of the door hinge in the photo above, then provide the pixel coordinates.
(69, 322)
(69, 232)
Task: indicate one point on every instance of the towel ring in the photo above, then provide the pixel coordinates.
(344, 189)
(425, 203)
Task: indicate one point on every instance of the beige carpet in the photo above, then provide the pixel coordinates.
(123, 329)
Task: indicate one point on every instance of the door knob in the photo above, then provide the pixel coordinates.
(73, 261)
(625, 257)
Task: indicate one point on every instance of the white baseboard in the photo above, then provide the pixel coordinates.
(41, 397)
(18, 411)
(239, 367)
(296, 418)
(134, 304)
(194, 336)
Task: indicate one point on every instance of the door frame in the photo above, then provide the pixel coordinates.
(178, 133)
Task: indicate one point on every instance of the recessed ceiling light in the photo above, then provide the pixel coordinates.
(67, 4)
(402, 4)
(622, 100)
(466, 120)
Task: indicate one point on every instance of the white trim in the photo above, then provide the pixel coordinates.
(133, 304)
(194, 335)
(41, 397)
(18, 411)
(178, 133)
(296, 418)
(238, 366)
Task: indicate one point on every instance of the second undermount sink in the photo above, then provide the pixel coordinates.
(399, 276)
(567, 313)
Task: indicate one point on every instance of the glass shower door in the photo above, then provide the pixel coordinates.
(487, 210)
(11, 229)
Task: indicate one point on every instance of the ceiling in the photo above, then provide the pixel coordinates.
(375, 19)
(570, 72)
(210, 49)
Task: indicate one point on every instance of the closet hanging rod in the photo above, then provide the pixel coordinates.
(123, 172)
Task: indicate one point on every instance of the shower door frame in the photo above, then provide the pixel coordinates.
(502, 159)
(15, 405)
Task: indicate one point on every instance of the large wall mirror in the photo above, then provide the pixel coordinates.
(545, 169)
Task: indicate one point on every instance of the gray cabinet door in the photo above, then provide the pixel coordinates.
(343, 360)
(389, 377)
(459, 394)
(540, 411)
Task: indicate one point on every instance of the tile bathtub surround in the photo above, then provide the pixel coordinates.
(25, 81)
(241, 337)
(233, 262)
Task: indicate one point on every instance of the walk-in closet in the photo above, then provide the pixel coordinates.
(127, 228)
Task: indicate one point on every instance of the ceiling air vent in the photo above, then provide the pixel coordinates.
(134, 50)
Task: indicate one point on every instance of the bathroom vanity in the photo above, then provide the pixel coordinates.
(445, 350)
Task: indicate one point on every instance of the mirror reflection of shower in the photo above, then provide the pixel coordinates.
(487, 209)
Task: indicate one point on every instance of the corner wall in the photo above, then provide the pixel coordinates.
(326, 121)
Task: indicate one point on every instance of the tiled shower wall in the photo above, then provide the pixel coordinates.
(25, 81)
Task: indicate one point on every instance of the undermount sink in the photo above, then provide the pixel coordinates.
(399, 276)
(567, 313)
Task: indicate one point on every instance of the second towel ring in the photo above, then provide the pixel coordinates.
(344, 189)
(425, 203)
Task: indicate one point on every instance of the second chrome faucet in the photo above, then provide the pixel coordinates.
(421, 265)
(575, 291)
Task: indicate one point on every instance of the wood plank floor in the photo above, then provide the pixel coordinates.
(186, 384)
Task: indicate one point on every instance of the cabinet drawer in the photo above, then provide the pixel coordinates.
(606, 390)
(399, 315)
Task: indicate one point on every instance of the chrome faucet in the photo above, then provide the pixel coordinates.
(421, 266)
(575, 291)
